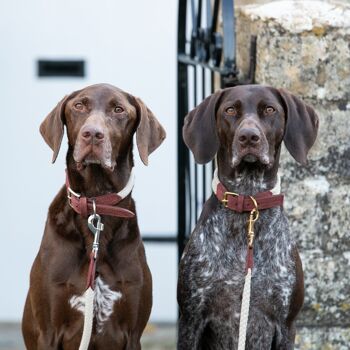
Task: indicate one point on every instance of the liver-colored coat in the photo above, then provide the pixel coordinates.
(100, 121)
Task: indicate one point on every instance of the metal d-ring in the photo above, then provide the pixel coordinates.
(253, 216)
(94, 208)
(255, 210)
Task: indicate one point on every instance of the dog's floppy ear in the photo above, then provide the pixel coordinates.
(149, 133)
(52, 128)
(301, 126)
(199, 130)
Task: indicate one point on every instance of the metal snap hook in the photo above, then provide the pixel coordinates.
(253, 216)
(94, 228)
(94, 221)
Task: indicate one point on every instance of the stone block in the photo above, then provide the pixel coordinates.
(302, 46)
(323, 338)
(327, 292)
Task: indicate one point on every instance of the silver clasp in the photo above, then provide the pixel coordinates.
(96, 226)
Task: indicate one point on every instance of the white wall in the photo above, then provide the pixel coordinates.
(131, 44)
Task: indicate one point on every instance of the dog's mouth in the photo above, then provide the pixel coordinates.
(90, 156)
(251, 156)
(86, 162)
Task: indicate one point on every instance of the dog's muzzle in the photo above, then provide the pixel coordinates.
(250, 145)
(93, 145)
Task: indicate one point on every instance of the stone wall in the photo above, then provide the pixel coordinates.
(305, 47)
(249, 2)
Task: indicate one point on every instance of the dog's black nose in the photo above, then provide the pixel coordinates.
(249, 137)
(91, 133)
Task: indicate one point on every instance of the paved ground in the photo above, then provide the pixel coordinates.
(159, 337)
(156, 337)
(10, 337)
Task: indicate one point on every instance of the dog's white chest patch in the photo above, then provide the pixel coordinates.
(104, 300)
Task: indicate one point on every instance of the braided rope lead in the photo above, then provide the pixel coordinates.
(243, 322)
(88, 319)
(96, 226)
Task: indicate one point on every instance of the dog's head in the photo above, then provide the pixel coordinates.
(249, 123)
(101, 121)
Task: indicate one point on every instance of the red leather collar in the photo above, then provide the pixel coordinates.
(241, 203)
(105, 204)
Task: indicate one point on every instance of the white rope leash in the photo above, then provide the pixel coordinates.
(243, 322)
(88, 319)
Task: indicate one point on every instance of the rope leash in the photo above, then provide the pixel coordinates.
(88, 319)
(90, 293)
(244, 203)
(104, 205)
(244, 311)
(243, 322)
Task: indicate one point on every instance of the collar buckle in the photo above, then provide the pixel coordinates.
(224, 200)
(71, 193)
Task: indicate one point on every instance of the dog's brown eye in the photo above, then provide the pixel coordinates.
(79, 106)
(231, 111)
(269, 110)
(118, 109)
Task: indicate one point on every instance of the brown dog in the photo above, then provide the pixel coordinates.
(244, 127)
(100, 121)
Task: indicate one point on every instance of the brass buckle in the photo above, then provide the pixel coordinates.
(225, 200)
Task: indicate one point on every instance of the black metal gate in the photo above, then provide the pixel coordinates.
(206, 61)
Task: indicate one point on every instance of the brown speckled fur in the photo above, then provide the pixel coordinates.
(212, 268)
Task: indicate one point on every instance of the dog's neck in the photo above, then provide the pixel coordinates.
(247, 178)
(94, 180)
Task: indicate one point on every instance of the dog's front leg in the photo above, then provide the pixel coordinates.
(48, 341)
(133, 343)
(189, 333)
(285, 339)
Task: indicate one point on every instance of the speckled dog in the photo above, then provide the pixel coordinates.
(244, 126)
